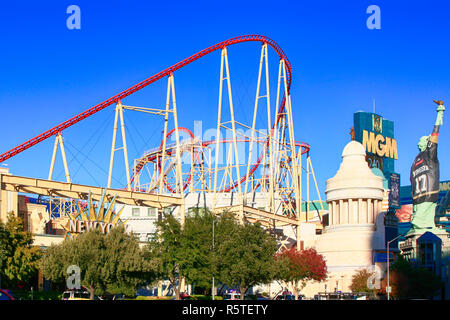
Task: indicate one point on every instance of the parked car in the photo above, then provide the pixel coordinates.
(109, 296)
(288, 297)
(341, 296)
(232, 296)
(6, 295)
(75, 295)
(185, 296)
(361, 296)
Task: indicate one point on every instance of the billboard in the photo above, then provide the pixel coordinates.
(394, 194)
(404, 214)
(377, 137)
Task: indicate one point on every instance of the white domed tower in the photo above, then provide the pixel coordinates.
(354, 197)
(355, 193)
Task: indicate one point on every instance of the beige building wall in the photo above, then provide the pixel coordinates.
(35, 216)
(46, 240)
(8, 200)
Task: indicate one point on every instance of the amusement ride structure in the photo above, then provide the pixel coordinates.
(167, 175)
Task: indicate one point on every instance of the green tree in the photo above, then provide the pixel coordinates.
(128, 265)
(360, 280)
(168, 248)
(197, 241)
(186, 252)
(19, 259)
(410, 281)
(399, 273)
(244, 254)
(111, 263)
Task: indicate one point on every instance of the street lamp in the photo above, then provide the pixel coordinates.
(213, 288)
(388, 289)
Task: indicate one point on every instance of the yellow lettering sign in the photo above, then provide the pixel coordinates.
(444, 186)
(369, 141)
(72, 226)
(391, 148)
(380, 149)
(80, 226)
(379, 145)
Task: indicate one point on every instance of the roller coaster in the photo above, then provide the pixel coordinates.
(167, 175)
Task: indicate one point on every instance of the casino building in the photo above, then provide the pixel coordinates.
(365, 204)
(368, 210)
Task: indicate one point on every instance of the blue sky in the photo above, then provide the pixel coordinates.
(50, 73)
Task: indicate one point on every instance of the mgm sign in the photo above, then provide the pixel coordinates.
(377, 137)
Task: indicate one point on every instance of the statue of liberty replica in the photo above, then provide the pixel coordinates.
(425, 245)
(424, 179)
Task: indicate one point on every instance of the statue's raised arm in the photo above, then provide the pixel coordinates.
(424, 178)
(439, 121)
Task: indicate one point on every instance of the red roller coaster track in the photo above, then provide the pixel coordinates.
(304, 148)
(245, 38)
(55, 130)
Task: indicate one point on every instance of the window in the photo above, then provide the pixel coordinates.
(426, 255)
(135, 212)
(192, 211)
(151, 212)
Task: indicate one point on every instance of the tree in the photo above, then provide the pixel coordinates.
(299, 267)
(128, 266)
(244, 255)
(360, 280)
(425, 283)
(399, 273)
(410, 281)
(19, 259)
(186, 252)
(169, 250)
(197, 235)
(111, 263)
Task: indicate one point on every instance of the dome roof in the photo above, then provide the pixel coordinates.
(353, 148)
(354, 178)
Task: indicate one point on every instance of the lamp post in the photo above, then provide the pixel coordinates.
(388, 289)
(213, 288)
